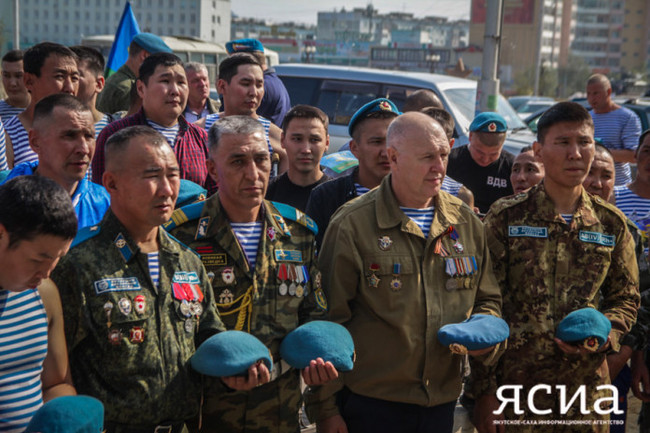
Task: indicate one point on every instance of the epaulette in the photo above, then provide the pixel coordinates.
(84, 234)
(184, 214)
(293, 214)
(507, 202)
(607, 205)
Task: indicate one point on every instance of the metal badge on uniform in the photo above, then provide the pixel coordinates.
(202, 228)
(189, 325)
(373, 279)
(458, 247)
(228, 275)
(136, 335)
(385, 242)
(123, 247)
(125, 306)
(196, 308)
(226, 297)
(108, 310)
(270, 232)
(321, 301)
(211, 276)
(396, 283)
(293, 277)
(114, 337)
(186, 308)
(283, 276)
(282, 224)
(140, 304)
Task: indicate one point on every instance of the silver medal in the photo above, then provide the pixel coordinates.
(283, 289)
(189, 325)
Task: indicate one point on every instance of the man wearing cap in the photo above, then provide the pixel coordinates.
(483, 166)
(557, 249)
(116, 94)
(275, 102)
(398, 263)
(367, 128)
(260, 259)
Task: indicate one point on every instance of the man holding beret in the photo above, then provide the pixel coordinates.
(483, 166)
(398, 263)
(557, 249)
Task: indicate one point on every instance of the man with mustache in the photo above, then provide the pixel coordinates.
(63, 137)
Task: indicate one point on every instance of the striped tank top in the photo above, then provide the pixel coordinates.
(23, 346)
(20, 142)
(3, 149)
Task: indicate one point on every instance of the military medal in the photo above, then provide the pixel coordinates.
(458, 247)
(226, 297)
(136, 335)
(140, 304)
(373, 279)
(196, 309)
(108, 309)
(189, 325)
(125, 306)
(452, 284)
(396, 283)
(114, 336)
(228, 275)
(292, 278)
(385, 243)
(282, 276)
(300, 279)
(186, 308)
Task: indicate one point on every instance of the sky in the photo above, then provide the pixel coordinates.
(305, 11)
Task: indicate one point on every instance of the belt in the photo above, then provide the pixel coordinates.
(161, 428)
(279, 368)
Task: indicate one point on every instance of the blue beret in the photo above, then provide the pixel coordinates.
(582, 326)
(69, 414)
(151, 43)
(244, 46)
(189, 193)
(381, 104)
(488, 122)
(319, 339)
(478, 332)
(230, 353)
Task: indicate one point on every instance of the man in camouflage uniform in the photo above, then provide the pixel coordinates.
(557, 249)
(265, 282)
(132, 326)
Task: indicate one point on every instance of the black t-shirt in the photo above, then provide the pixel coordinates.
(488, 184)
(282, 190)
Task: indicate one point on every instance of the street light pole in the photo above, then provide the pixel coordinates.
(16, 26)
(488, 88)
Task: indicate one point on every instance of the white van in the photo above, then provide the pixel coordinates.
(340, 91)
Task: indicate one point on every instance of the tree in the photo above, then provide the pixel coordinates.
(573, 77)
(524, 82)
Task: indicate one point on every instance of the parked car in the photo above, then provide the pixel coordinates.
(341, 91)
(519, 101)
(532, 107)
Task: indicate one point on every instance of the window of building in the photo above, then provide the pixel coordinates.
(192, 18)
(218, 19)
(214, 19)
(213, 34)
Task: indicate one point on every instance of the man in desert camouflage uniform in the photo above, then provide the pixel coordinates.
(260, 258)
(557, 249)
(131, 330)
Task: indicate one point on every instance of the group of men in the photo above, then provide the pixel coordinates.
(388, 254)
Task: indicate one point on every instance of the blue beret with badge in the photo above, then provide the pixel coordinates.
(319, 339)
(69, 414)
(488, 121)
(381, 104)
(151, 43)
(230, 353)
(244, 46)
(588, 327)
(190, 192)
(480, 331)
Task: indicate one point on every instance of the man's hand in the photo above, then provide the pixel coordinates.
(484, 417)
(640, 377)
(333, 424)
(319, 372)
(258, 375)
(616, 361)
(572, 349)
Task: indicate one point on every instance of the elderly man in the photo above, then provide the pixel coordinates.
(63, 137)
(387, 268)
(131, 329)
(260, 258)
(199, 103)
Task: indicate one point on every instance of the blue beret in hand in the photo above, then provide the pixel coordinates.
(587, 326)
(319, 339)
(69, 414)
(480, 331)
(230, 353)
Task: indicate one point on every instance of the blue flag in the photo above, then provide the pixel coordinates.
(126, 31)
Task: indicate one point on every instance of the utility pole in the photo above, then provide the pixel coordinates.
(16, 26)
(538, 54)
(488, 88)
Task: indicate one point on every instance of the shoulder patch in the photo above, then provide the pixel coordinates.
(84, 234)
(183, 215)
(293, 214)
(182, 244)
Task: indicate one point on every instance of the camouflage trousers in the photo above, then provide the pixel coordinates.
(270, 408)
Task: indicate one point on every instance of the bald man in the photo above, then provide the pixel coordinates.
(384, 258)
(617, 127)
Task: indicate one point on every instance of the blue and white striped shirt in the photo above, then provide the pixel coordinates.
(170, 132)
(633, 206)
(422, 217)
(450, 186)
(248, 235)
(361, 190)
(23, 347)
(154, 267)
(568, 217)
(7, 111)
(3, 149)
(101, 123)
(19, 141)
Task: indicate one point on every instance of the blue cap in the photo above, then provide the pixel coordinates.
(190, 192)
(151, 43)
(69, 414)
(319, 339)
(230, 353)
(381, 104)
(582, 326)
(480, 331)
(244, 46)
(488, 122)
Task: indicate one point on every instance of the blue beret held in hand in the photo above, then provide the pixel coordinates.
(69, 414)
(480, 331)
(230, 353)
(319, 339)
(587, 326)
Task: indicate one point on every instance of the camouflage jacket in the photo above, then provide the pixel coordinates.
(547, 269)
(129, 341)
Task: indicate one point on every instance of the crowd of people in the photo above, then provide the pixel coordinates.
(138, 218)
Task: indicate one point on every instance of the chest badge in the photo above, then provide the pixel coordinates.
(228, 275)
(125, 306)
(385, 243)
(270, 232)
(373, 279)
(140, 304)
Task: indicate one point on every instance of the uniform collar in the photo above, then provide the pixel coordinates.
(584, 214)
